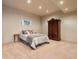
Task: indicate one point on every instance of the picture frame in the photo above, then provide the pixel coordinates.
(26, 22)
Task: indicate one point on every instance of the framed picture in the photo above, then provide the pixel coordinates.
(26, 22)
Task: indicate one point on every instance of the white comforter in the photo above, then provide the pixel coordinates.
(34, 39)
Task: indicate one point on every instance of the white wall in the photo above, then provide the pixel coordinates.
(11, 23)
(68, 25)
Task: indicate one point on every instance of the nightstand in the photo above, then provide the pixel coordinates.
(16, 37)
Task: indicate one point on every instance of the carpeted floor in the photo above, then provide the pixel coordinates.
(54, 50)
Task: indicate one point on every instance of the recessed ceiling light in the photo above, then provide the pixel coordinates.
(66, 9)
(28, 1)
(47, 11)
(61, 2)
(40, 7)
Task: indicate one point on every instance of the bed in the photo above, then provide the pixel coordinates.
(33, 39)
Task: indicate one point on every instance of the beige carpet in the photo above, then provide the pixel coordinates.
(54, 50)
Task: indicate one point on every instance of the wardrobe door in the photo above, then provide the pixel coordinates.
(50, 30)
(54, 30)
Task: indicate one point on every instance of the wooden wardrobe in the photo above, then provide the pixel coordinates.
(54, 29)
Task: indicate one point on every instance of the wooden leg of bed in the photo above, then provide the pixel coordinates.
(47, 42)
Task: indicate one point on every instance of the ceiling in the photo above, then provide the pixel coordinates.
(42, 7)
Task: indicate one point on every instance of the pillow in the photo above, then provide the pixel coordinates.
(30, 31)
(25, 32)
